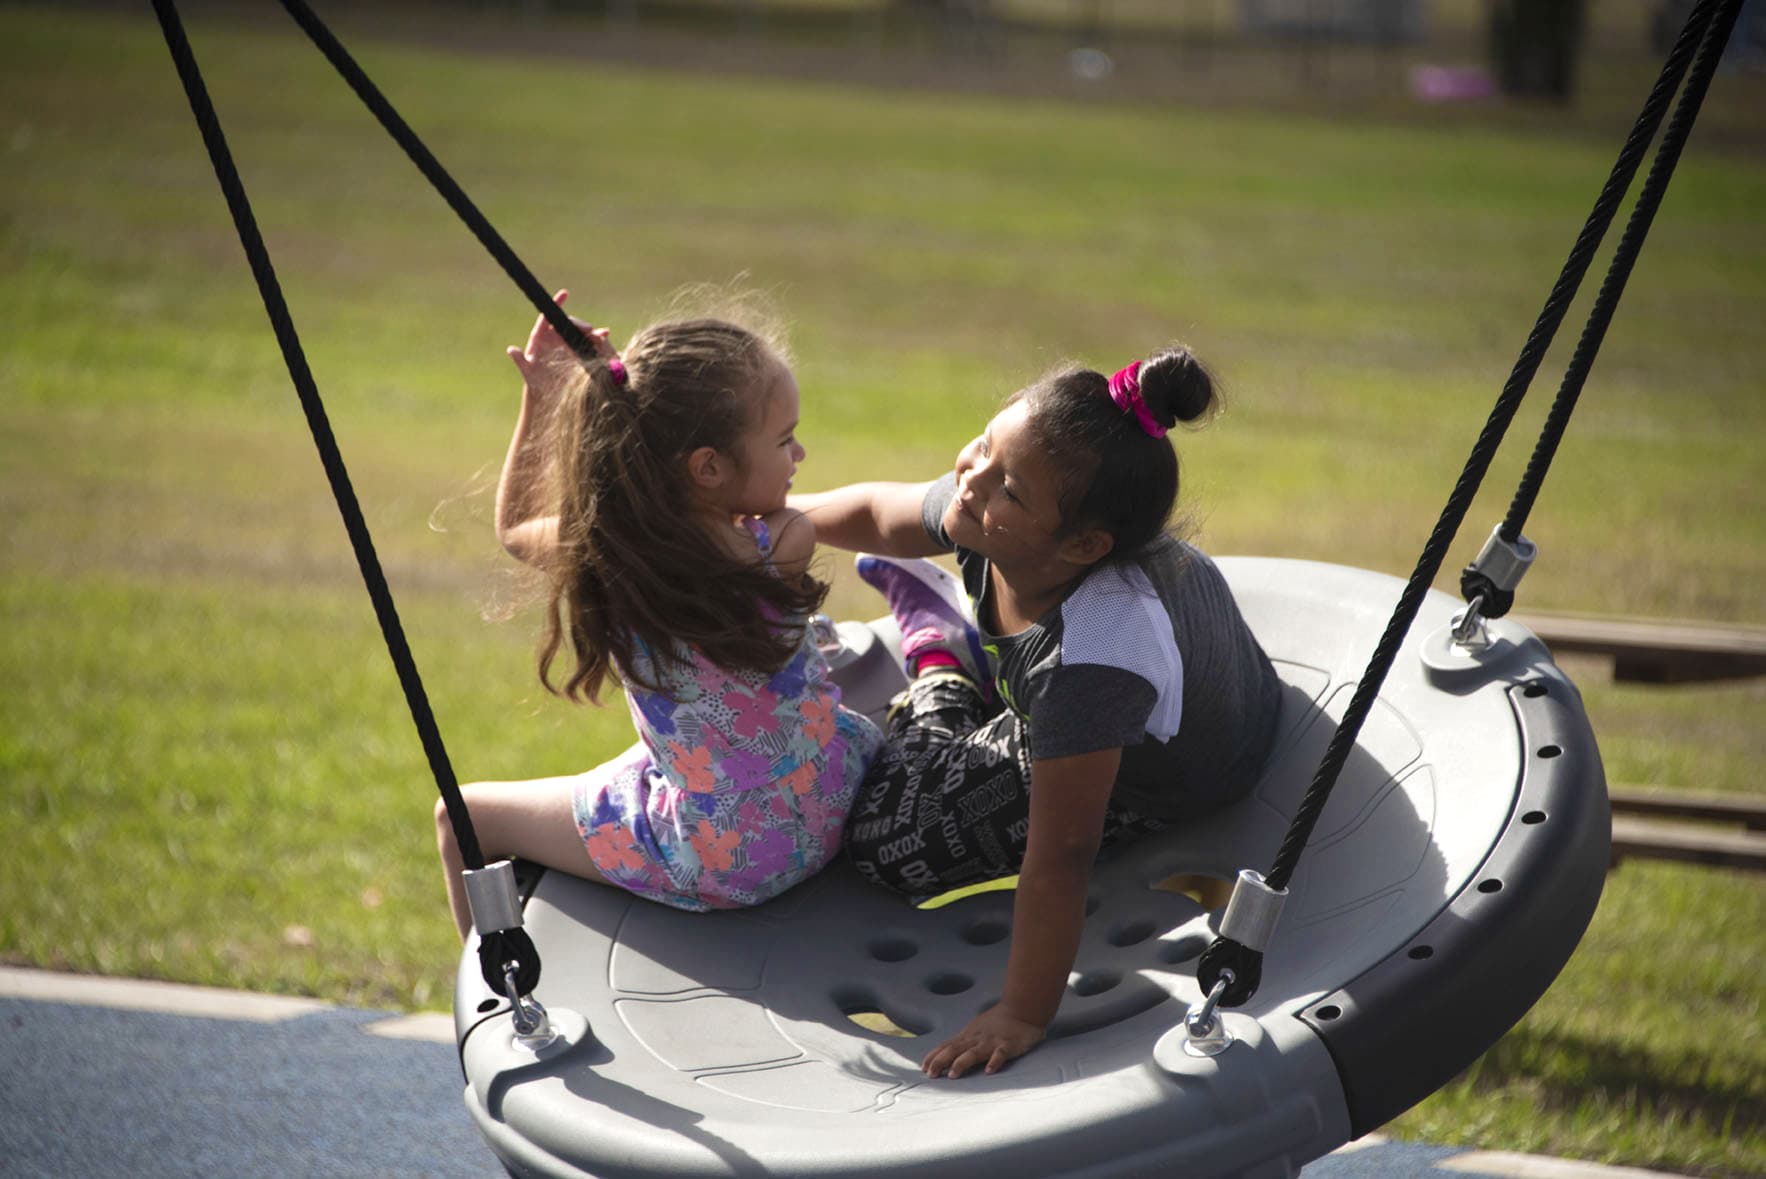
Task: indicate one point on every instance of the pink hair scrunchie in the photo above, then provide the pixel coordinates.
(616, 370)
(1125, 391)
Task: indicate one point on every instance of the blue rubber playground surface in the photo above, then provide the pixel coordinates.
(89, 1090)
(118, 1078)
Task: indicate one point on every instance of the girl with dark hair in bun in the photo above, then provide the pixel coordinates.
(1088, 680)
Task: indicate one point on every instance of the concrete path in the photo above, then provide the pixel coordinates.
(109, 1077)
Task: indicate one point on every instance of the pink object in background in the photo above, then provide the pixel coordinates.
(1451, 83)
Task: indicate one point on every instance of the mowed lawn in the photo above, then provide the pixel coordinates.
(206, 769)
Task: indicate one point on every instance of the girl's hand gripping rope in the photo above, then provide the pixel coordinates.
(545, 348)
(526, 526)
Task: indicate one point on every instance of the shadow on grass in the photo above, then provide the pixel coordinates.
(1562, 1072)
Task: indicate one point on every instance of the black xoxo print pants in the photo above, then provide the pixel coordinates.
(947, 802)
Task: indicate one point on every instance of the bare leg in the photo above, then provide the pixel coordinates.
(532, 820)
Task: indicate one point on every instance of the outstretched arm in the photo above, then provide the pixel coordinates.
(881, 518)
(525, 530)
(1068, 796)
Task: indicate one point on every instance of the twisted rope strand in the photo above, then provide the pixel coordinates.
(329, 455)
(1225, 954)
(438, 176)
(1655, 186)
(1484, 451)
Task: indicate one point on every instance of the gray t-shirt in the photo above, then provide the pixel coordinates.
(1149, 655)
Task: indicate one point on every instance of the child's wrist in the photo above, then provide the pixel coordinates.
(1032, 1013)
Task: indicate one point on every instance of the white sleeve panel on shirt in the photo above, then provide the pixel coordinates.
(1115, 619)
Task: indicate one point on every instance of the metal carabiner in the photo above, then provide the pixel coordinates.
(1468, 626)
(1204, 1027)
(532, 1026)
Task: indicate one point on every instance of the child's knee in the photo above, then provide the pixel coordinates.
(862, 843)
(444, 826)
(890, 856)
(873, 822)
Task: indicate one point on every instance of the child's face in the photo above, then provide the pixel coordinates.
(1007, 506)
(768, 452)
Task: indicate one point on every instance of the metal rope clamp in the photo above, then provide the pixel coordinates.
(1465, 644)
(496, 906)
(1250, 919)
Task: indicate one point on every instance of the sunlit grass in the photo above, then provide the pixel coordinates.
(206, 771)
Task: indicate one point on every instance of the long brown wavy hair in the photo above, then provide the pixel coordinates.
(633, 566)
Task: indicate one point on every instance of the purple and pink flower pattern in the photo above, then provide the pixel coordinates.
(739, 784)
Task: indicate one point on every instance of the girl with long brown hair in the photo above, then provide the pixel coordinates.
(649, 488)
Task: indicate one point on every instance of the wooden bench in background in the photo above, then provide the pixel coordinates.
(1694, 827)
(1650, 652)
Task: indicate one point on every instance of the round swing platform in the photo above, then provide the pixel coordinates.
(1456, 865)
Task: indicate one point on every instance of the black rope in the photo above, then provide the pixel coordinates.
(437, 175)
(498, 950)
(1494, 600)
(1238, 964)
(295, 358)
(1655, 186)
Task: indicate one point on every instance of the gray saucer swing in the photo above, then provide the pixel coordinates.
(1459, 858)
(1455, 831)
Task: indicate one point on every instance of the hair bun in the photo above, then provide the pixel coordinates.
(1177, 387)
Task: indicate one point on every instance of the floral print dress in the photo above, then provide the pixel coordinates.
(739, 785)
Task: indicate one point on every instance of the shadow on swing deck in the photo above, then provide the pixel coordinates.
(1447, 881)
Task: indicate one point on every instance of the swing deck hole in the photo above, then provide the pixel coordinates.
(892, 949)
(987, 932)
(1097, 983)
(949, 984)
(1183, 949)
(1132, 933)
(863, 1009)
(1210, 892)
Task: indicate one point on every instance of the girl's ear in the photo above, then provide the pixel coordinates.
(1087, 547)
(706, 468)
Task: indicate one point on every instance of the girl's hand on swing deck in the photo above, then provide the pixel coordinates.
(988, 1042)
(1068, 799)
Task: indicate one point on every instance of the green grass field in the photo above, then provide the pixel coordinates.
(206, 770)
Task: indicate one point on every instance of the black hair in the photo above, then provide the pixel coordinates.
(1113, 474)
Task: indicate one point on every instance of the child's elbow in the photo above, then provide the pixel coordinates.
(794, 539)
(531, 541)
